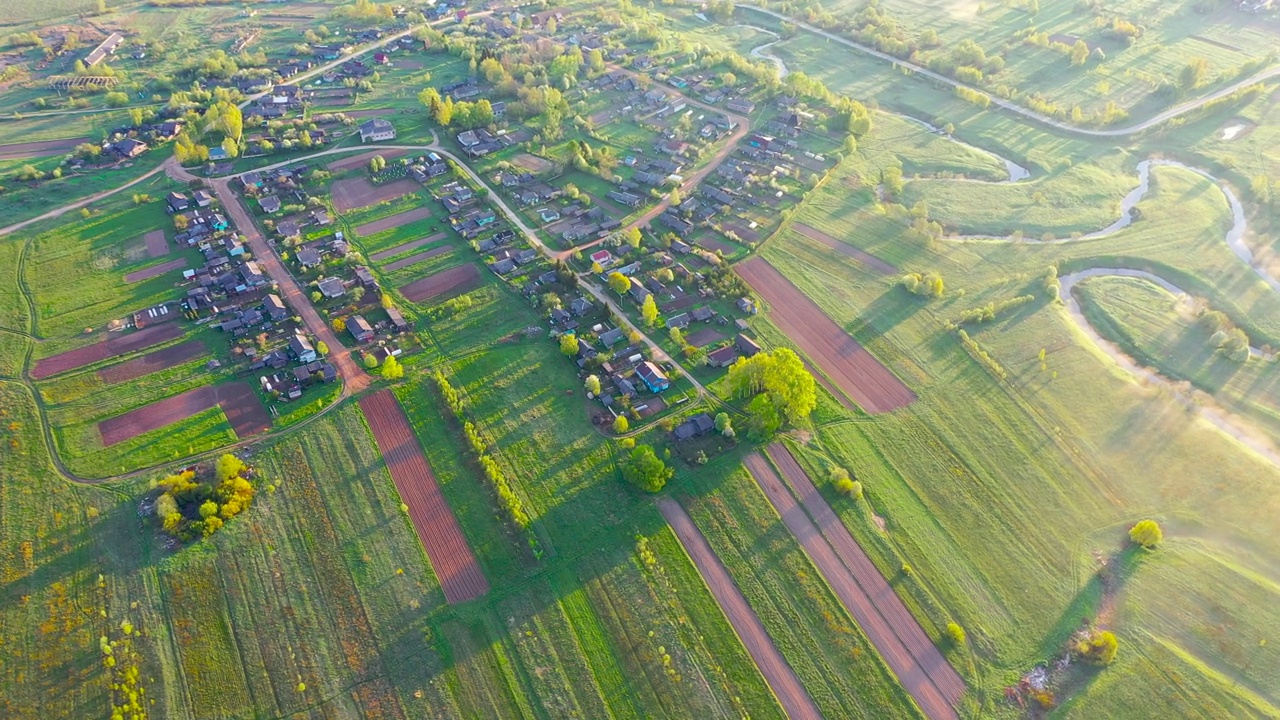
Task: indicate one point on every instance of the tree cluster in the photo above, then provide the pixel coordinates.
(780, 387)
(644, 469)
(188, 508)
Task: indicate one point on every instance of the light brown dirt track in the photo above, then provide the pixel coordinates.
(453, 281)
(854, 370)
(782, 679)
(917, 663)
(394, 221)
(244, 412)
(451, 558)
(866, 259)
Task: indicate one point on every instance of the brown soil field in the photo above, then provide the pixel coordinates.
(782, 679)
(744, 232)
(356, 193)
(20, 151)
(897, 636)
(870, 261)
(156, 244)
(244, 412)
(454, 281)
(715, 244)
(406, 247)
(854, 370)
(451, 558)
(394, 221)
(532, 163)
(407, 64)
(154, 270)
(362, 159)
(415, 259)
(152, 362)
(106, 347)
(703, 337)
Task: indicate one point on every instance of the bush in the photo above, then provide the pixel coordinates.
(1099, 648)
(955, 634)
(926, 285)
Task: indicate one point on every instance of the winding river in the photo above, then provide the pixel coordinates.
(762, 51)
(1017, 173)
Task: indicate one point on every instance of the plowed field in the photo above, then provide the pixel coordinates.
(454, 563)
(854, 370)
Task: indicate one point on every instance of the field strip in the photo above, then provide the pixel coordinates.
(104, 348)
(363, 159)
(451, 558)
(849, 365)
(865, 258)
(394, 221)
(415, 259)
(451, 282)
(923, 672)
(782, 679)
(243, 409)
(406, 247)
(152, 362)
(42, 148)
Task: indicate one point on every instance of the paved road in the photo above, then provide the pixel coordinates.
(353, 376)
(1013, 107)
(782, 679)
(691, 182)
(921, 669)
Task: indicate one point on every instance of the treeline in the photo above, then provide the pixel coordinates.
(978, 353)
(507, 498)
(988, 312)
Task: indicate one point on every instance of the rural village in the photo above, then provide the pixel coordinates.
(467, 358)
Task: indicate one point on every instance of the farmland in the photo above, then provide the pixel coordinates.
(677, 361)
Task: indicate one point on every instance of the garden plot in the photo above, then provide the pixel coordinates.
(244, 412)
(451, 282)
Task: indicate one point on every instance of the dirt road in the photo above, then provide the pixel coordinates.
(353, 376)
(782, 679)
(917, 663)
(690, 183)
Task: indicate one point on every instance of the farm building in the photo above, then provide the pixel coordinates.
(359, 328)
(652, 376)
(376, 130)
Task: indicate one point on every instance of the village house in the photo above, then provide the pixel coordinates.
(695, 426)
(652, 376)
(398, 323)
(274, 307)
(331, 288)
(177, 202)
(724, 357)
(376, 130)
(746, 345)
(359, 328)
(301, 349)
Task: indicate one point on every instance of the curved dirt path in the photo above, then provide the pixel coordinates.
(1242, 432)
(1015, 108)
(782, 680)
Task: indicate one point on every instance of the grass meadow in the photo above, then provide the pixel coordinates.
(1004, 495)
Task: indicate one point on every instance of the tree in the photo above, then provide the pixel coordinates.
(1146, 533)
(392, 369)
(338, 324)
(593, 384)
(724, 425)
(1079, 53)
(1194, 73)
(763, 418)
(675, 197)
(116, 99)
(387, 301)
(1099, 648)
(569, 345)
(618, 282)
(633, 237)
(644, 469)
(370, 361)
(620, 424)
(955, 634)
(649, 311)
(322, 348)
